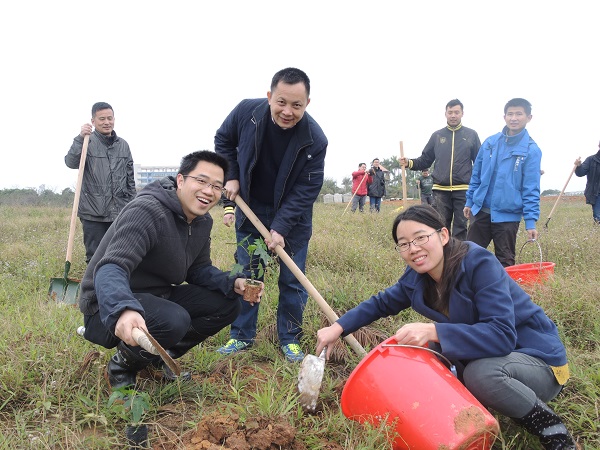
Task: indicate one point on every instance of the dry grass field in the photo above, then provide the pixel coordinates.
(53, 394)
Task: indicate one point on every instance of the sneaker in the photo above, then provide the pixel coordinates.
(292, 352)
(233, 346)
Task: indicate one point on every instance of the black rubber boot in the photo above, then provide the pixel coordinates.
(189, 341)
(124, 365)
(542, 422)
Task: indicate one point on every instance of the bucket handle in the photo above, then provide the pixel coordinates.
(439, 355)
(539, 248)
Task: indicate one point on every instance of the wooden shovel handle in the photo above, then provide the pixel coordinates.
(403, 177)
(143, 341)
(289, 262)
(72, 226)
(560, 195)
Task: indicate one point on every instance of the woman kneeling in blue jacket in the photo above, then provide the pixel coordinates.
(506, 350)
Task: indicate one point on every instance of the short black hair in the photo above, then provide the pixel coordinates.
(516, 102)
(455, 102)
(291, 75)
(100, 106)
(189, 162)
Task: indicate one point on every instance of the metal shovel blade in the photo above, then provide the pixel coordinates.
(64, 290)
(310, 378)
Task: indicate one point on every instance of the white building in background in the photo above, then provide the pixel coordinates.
(147, 174)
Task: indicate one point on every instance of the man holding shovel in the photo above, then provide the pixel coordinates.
(360, 180)
(452, 152)
(136, 278)
(276, 153)
(108, 183)
(591, 168)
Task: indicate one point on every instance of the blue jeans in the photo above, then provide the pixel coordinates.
(292, 295)
(596, 210)
(374, 203)
(511, 384)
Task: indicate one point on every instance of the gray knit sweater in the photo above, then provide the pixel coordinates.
(149, 248)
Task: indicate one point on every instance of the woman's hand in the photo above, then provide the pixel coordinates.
(327, 336)
(416, 334)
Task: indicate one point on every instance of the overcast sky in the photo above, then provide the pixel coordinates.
(381, 72)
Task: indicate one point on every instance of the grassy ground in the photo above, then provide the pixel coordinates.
(52, 390)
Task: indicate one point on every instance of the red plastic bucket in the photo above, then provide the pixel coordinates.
(413, 391)
(530, 274)
(534, 273)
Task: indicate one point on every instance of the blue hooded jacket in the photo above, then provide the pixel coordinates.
(516, 189)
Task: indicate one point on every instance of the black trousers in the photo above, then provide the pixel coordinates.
(450, 205)
(93, 232)
(482, 231)
(189, 308)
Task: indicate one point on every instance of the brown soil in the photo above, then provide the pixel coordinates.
(221, 432)
(251, 291)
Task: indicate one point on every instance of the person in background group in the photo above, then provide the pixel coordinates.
(376, 188)
(360, 180)
(506, 350)
(425, 184)
(505, 185)
(591, 168)
(153, 271)
(453, 149)
(108, 181)
(276, 152)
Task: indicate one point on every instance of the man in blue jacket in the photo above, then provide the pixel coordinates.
(276, 153)
(505, 185)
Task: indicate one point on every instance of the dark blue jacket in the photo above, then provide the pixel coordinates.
(490, 315)
(300, 176)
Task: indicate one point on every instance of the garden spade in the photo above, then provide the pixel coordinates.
(310, 378)
(148, 343)
(65, 289)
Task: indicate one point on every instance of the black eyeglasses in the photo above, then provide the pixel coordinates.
(202, 183)
(417, 242)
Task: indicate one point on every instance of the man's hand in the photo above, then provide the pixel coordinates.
(532, 234)
(86, 128)
(128, 320)
(276, 239)
(239, 287)
(578, 161)
(232, 188)
(467, 212)
(403, 161)
(228, 219)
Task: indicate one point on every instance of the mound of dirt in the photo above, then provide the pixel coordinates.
(221, 432)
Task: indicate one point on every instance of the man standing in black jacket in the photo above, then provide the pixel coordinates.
(108, 182)
(376, 189)
(452, 150)
(591, 168)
